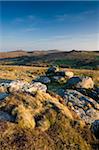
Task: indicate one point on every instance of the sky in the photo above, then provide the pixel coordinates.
(47, 25)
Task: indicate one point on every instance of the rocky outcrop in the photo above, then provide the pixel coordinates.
(86, 108)
(25, 108)
(31, 105)
(19, 85)
(54, 74)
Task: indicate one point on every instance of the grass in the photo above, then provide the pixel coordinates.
(62, 135)
(29, 73)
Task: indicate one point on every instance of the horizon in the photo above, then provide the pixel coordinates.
(49, 25)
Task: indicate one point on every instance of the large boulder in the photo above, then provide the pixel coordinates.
(19, 86)
(80, 82)
(16, 85)
(86, 108)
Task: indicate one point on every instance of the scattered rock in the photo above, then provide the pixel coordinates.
(56, 75)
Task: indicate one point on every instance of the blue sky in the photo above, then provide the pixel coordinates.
(62, 25)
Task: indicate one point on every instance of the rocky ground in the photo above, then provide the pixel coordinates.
(54, 111)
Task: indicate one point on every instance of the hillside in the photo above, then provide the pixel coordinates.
(38, 111)
(71, 59)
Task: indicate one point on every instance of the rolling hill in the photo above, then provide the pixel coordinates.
(71, 59)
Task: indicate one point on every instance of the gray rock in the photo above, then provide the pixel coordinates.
(72, 82)
(93, 93)
(6, 117)
(37, 86)
(43, 79)
(19, 85)
(52, 70)
(60, 73)
(95, 128)
(3, 96)
(80, 82)
(5, 81)
(86, 108)
(58, 79)
(16, 85)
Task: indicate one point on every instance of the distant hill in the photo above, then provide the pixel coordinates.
(19, 53)
(70, 59)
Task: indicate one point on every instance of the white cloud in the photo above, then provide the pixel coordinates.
(75, 17)
(30, 29)
(26, 19)
(18, 20)
(31, 17)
